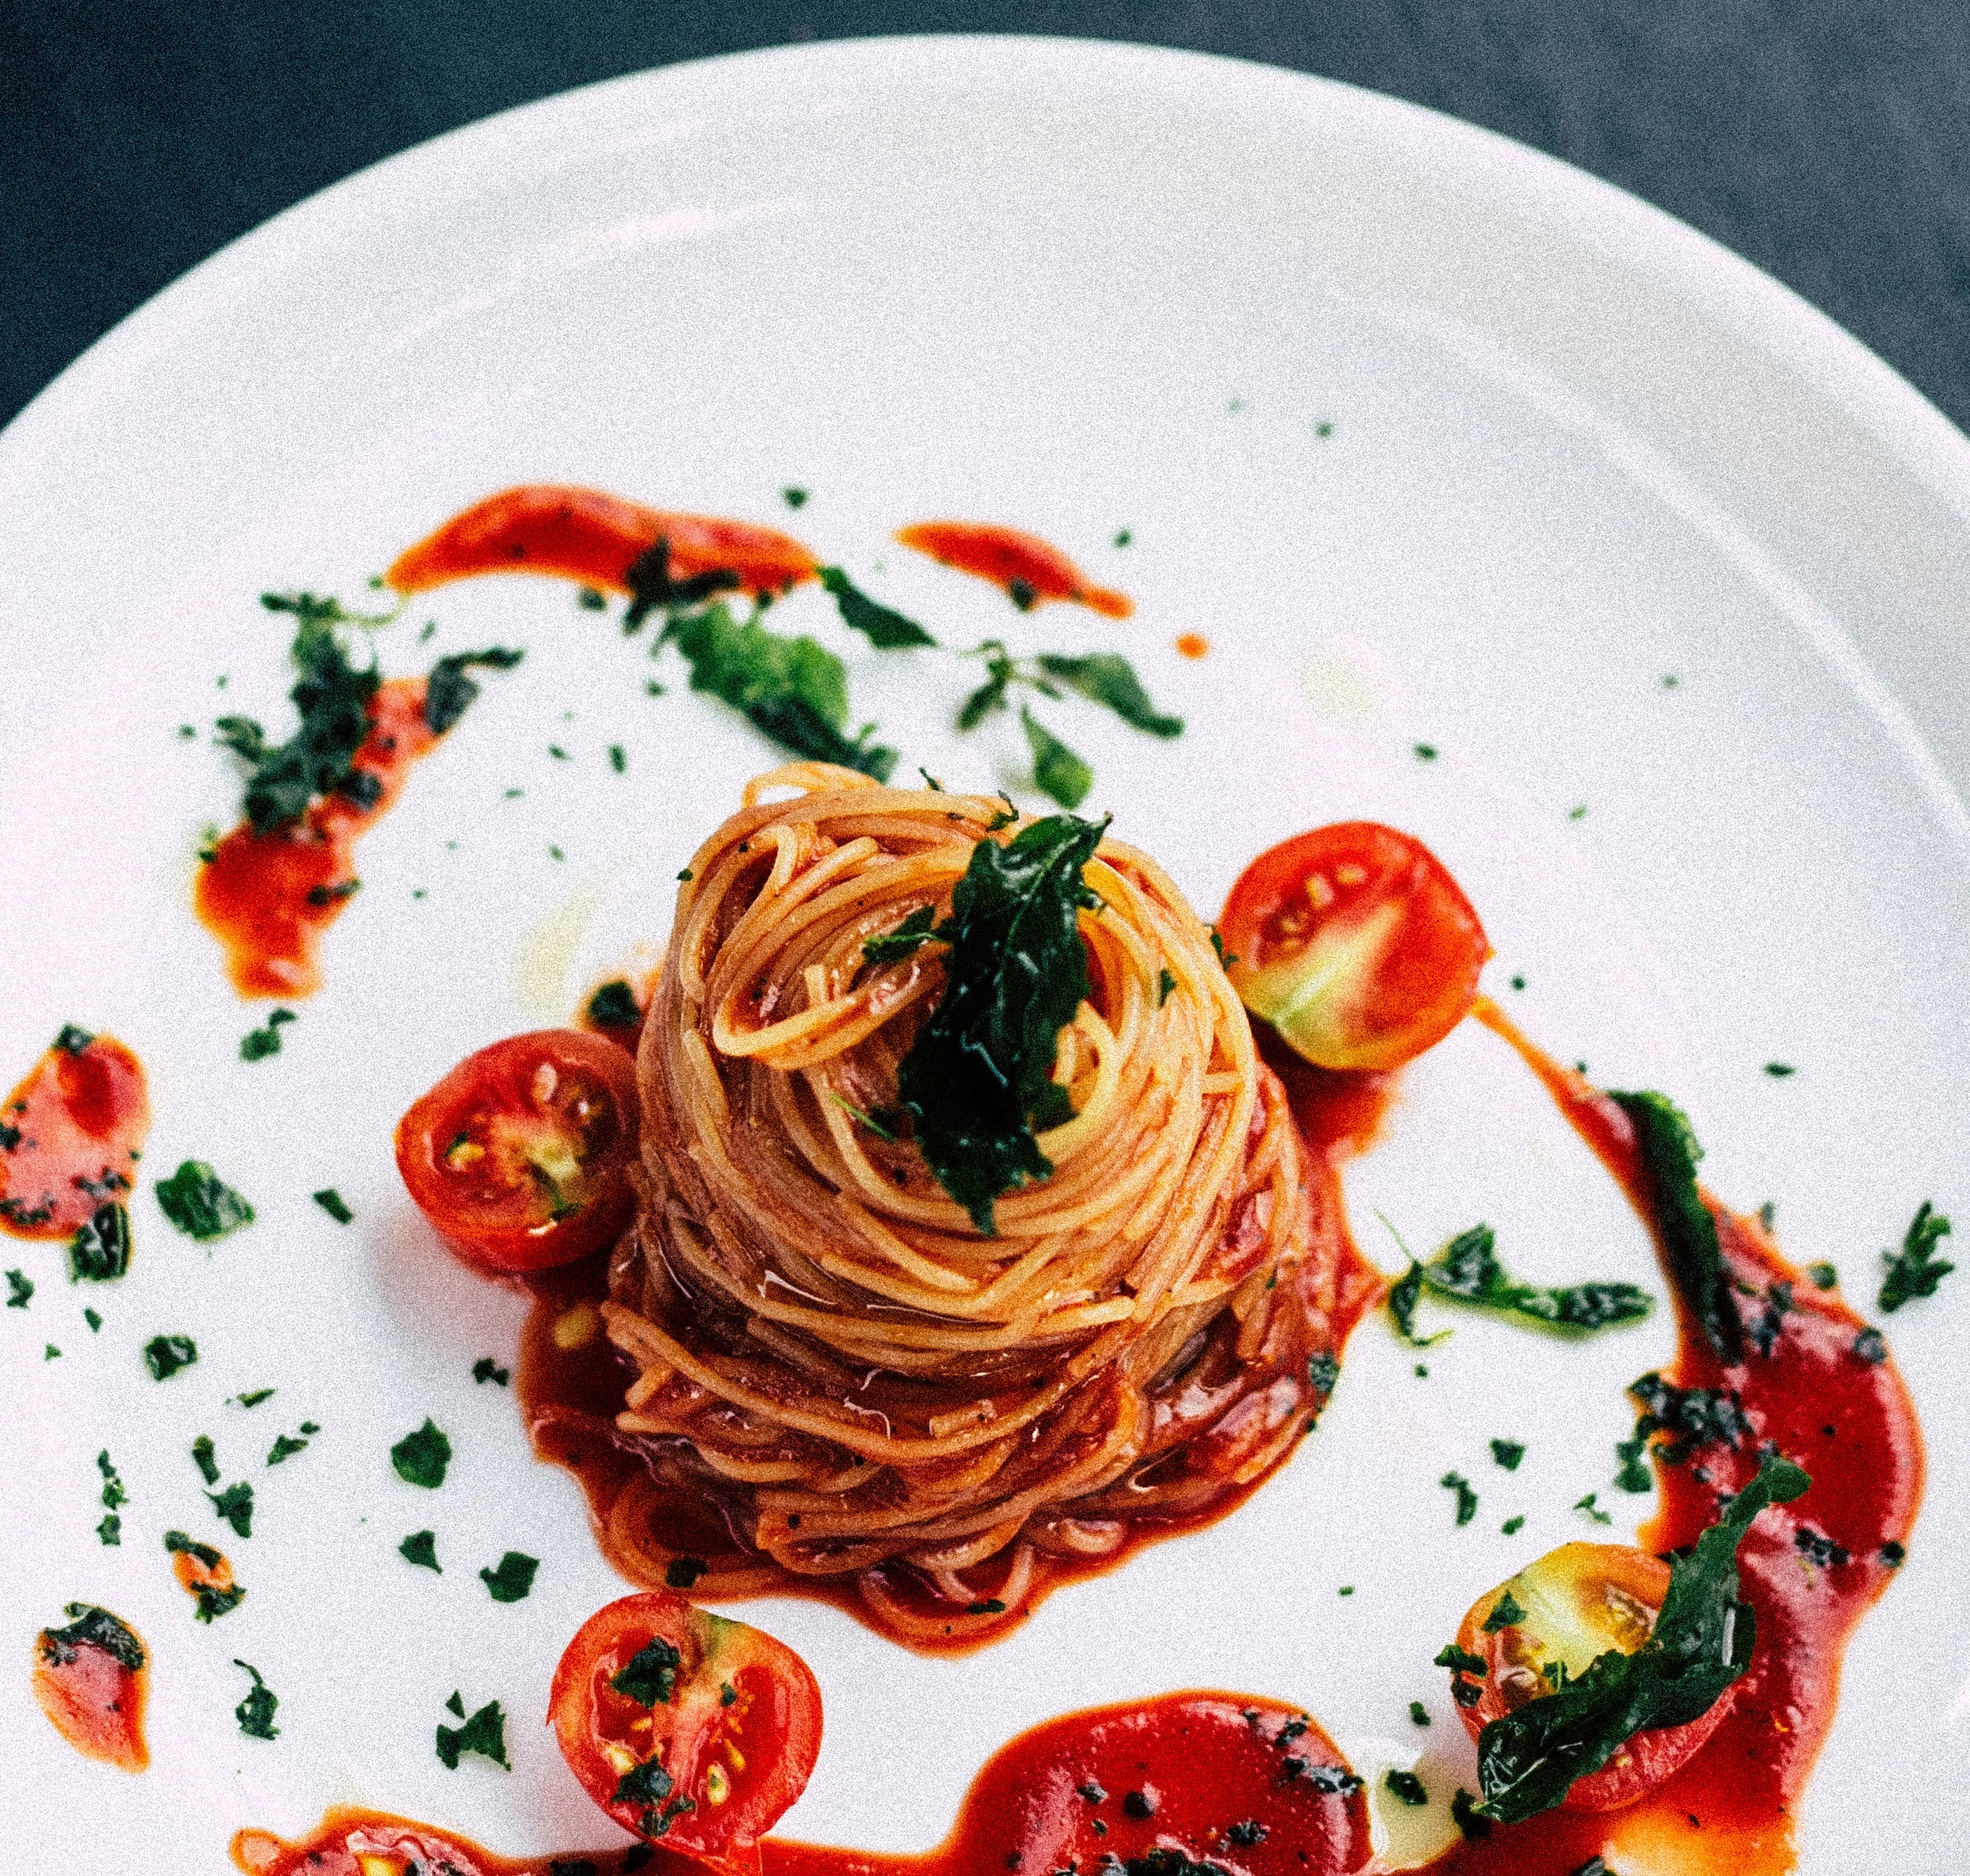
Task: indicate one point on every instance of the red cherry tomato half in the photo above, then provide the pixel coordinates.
(1355, 943)
(1576, 1603)
(517, 1156)
(691, 1730)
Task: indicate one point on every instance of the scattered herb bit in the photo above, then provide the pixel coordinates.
(50, 1352)
(978, 1083)
(1513, 1525)
(202, 1452)
(794, 498)
(1894, 1555)
(335, 1205)
(591, 600)
(613, 1007)
(1593, 1511)
(72, 1040)
(1577, 813)
(681, 1572)
(889, 947)
(1407, 1787)
(99, 1251)
(485, 1733)
(90, 1627)
(456, 1704)
(256, 1712)
(113, 1492)
(991, 1605)
(257, 1045)
(235, 1505)
(794, 690)
(1669, 1153)
(1869, 1346)
(649, 1679)
(421, 1458)
(885, 629)
(1504, 1614)
(1425, 752)
(1912, 1271)
(1528, 1760)
(1817, 1548)
(212, 1601)
(1779, 1070)
(19, 1288)
(618, 758)
(449, 692)
(513, 1578)
(1419, 1715)
(1695, 1416)
(1123, 537)
(285, 1447)
(421, 1548)
(95, 1322)
(486, 1368)
(1467, 1498)
(1107, 679)
(1467, 1270)
(1508, 1453)
(164, 1355)
(255, 1399)
(1823, 1275)
(1058, 772)
(200, 1204)
(728, 1693)
(1165, 983)
(1404, 1295)
(1633, 1476)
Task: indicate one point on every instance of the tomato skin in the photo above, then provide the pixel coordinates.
(1581, 1600)
(733, 1765)
(1354, 941)
(517, 1156)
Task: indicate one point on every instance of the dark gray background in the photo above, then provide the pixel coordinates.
(1827, 140)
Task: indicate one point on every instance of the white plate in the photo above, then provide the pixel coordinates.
(1575, 448)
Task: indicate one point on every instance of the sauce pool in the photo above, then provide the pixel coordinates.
(1028, 568)
(70, 1136)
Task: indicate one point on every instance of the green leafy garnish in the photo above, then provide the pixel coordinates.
(1058, 772)
(421, 1458)
(889, 947)
(793, 688)
(978, 1082)
(256, 1712)
(1508, 1453)
(257, 1045)
(682, 1572)
(164, 1355)
(19, 1288)
(1912, 1271)
(1104, 677)
(1504, 1614)
(652, 589)
(1404, 1294)
(1467, 1270)
(1528, 1760)
(286, 1445)
(212, 1601)
(1467, 1498)
(200, 1204)
(646, 1784)
(99, 1251)
(90, 1627)
(513, 1578)
(72, 1039)
(613, 1007)
(1667, 1147)
(887, 630)
(486, 1368)
(235, 1505)
(1692, 1416)
(335, 1205)
(649, 1678)
(449, 692)
(485, 1733)
(202, 1452)
(421, 1548)
(1406, 1786)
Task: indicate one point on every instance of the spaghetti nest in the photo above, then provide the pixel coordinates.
(831, 1353)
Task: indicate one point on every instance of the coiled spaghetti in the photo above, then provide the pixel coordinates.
(828, 1352)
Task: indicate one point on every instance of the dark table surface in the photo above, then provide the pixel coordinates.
(1827, 140)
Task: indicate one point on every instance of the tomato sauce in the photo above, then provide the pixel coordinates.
(269, 897)
(1028, 568)
(582, 534)
(92, 1679)
(71, 1135)
(1252, 1785)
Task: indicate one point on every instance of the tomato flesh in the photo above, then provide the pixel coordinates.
(689, 1729)
(517, 1156)
(1355, 944)
(1578, 1601)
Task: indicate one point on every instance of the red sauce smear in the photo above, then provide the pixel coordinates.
(582, 534)
(94, 1700)
(268, 897)
(1253, 1785)
(1809, 1569)
(1030, 570)
(571, 1395)
(71, 1135)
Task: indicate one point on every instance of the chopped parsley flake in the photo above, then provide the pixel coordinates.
(683, 1571)
(887, 630)
(891, 947)
(1165, 983)
(1508, 1453)
(485, 1733)
(486, 1368)
(614, 1006)
(257, 1045)
(1504, 1614)
(1419, 1715)
(1425, 752)
(19, 1289)
(201, 1451)
(794, 498)
(1823, 1275)
(95, 1322)
(421, 1458)
(334, 1204)
(1593, 1511)
(421, 1548)
(200, 1204)
(90, 1627)
(256, 1712)
(1058, 772)
(1467, 1498)
(512, 1579)
(1779, 1070)
(164, 1355)
(1513, 1525)
(286, 1445)
(235, 1505)
(649, 1678)
(1912, 1271)
(1406, 1786)
(99, 1251)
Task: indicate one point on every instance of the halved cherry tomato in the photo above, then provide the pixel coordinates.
(1355, 943)
(691, 1730)
(1577, 1602)
(516, 1156)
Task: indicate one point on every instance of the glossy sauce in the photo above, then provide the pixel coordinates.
(71, 1135)
(269, 897)
(1028, 568)
(1252, 1784)
(92, 1698)
(584, 534)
